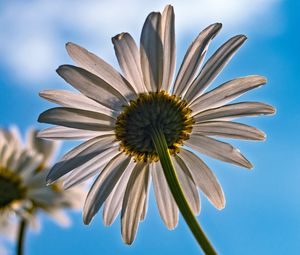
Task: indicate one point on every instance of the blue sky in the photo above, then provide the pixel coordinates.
(263, 206)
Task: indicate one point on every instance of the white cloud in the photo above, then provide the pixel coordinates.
(33, 32)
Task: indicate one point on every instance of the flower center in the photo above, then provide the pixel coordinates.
(11, 188)
(156, 110)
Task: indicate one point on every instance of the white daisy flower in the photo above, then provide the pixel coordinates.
(140, 124)
(23, 190)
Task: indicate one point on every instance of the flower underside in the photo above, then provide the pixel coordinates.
(11, 188)
(148, 112)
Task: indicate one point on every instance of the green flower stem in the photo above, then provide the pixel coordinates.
(21, 236)
(161, 147)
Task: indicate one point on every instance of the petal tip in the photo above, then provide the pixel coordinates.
(127, 241)
(262, 136)
(250, 166)
(40, 118)
(86, 218)
(171, 226)
(221, 206)
(168, 7)
(118, 37)
(243, 37)
(218, 25)
(272, 110)
(68, 45)
(107, 222)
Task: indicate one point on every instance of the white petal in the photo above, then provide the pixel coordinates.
(90, 168)
(145, 206)
(133, 202)
(217, 149)
(36, 180)
(99, 67)
(80, 155)
(169, 46)
(27, 164)
(103, 186)
(66, 133)
(113, 203)
(188, 185)
(44, 196)
(228, 129)
(151, 51)
(75, 100)
(93, 86)
(44, 147)
(9, 156)
(193, 58)
(214, 66)
(204, 178)
(226, 92)
(60, 217)
(233, 111)
(15, 135)
(75, 118)
(107, 139)
(35, 223)
(129, 60)
(166, 204)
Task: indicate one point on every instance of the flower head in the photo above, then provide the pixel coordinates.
(23, 169)
(121, 115)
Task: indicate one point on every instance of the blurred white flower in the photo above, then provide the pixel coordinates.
(23, 190)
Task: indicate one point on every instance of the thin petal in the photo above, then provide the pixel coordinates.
(90, 168)
(113, 203)
(166, 204)
(217, 149)
(93, 87)
(43, 196)
(66, 133)
(214, 66)
(75, 118)
(188, 185)
(36, 180)
(226, 92)
(44, 147)
(27, 164)
(75, 100)
(103, 186)
(169, 46)
(60, 217)
(99, 67)
(194, 57)
(133, 202)
(80, 155)
(128, 57)
(233, 111)
(229, 130)
(204, 178)
(151, 51)
(145, 206)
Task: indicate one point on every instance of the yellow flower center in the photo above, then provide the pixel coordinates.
(155, 110)
(11, 189)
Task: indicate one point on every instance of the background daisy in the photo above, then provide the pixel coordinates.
(24, 194)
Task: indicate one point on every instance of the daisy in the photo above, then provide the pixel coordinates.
(139, 125)
(23, 191)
